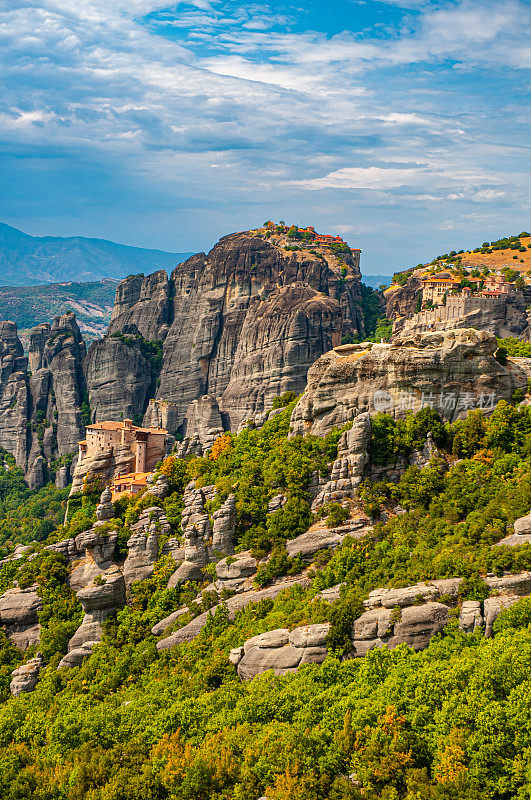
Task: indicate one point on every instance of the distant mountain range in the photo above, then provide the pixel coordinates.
(31, 260)
(28, 306)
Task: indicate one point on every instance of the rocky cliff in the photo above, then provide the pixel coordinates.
(241, 324)
(451, 371)
(201, 350)
(41, 395)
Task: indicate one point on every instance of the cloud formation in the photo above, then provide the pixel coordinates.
(170, 125)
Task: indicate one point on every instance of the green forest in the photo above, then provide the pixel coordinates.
(131, 723)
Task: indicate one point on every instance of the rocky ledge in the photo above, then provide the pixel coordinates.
(451, 371)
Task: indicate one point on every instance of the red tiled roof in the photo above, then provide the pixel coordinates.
(109, 425)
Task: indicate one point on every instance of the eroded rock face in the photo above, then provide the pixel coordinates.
(451, 370)
(25, 677)
(349, 468)
(101, 598)
(521, 535)
(142, 303)
(203, 423)
(119, 378)
(40, 414)
(283, 334)
(144, 545)
(281, 650)
(224, 527)
(197, 533)
(19, 616)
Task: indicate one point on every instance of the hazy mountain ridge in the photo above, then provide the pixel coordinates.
(30, 260)
(28, 306)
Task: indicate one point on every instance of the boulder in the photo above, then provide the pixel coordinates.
(19, 610)
(281, 650)
(234, 572)
(24, 678)
(471, 616)
(521, 535)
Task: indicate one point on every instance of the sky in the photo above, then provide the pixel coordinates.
(403, 126)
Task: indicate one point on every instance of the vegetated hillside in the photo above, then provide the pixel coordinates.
(28, 306)
(449, 722)
(28, 260)
(510, 253)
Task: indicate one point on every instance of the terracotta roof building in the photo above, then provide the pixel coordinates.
(137, 449)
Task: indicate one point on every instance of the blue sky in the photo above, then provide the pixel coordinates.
(402, 125)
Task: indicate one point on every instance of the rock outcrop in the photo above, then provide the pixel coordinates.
(239, 325)
(233, 605)
(195, 524)
(19, 609)
(349, 467)
(144, 545)
(281, 650)
(234, 573)
(224, 527)
(25, 677)
(320, 537)
(521, 535)
(99, 600)
(452, 371)
(41, 396)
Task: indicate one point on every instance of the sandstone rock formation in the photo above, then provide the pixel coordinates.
(521, 535)
(238, 326)
(25, 677)
(101, 598)
(281, 650)
(19, 616)
(40, 413)
(224, 527)
(246, 320)
(197, 533)
(349, 467)
(144, 545)
(451, 371)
